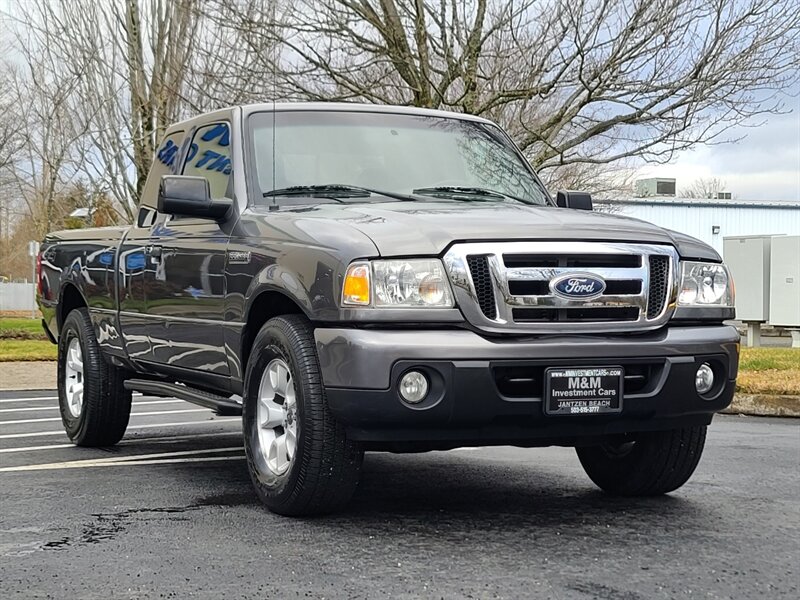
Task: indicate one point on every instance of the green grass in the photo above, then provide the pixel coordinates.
(769, 371)
(19, 328)
(764, 359)
(27, 350)
(24, 339)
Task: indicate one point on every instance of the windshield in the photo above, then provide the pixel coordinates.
(394, 153)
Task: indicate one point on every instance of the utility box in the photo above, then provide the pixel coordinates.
(748, 258)
(784, 306)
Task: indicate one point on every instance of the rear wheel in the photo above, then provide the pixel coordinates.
(95, 406)
(299, 457)
(648, 464)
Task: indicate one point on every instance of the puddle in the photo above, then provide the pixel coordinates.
(104, 527)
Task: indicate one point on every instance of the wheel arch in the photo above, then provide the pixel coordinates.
(265, 305)
(69, 299)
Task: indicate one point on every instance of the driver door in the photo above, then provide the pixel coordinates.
(186, 297)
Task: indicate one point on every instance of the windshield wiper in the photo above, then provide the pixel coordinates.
(333, 190)
(453, 191)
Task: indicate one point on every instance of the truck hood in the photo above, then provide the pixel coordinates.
(428, 228)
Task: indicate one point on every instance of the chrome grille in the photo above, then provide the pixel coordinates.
(504, 287)
(482, 282)
(659, 282)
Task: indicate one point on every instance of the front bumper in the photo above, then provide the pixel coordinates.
(489, 390)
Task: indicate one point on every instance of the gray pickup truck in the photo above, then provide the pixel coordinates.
(387, 278)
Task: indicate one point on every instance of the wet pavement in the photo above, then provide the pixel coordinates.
(169, 512)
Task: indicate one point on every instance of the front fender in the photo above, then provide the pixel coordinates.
(276, 278)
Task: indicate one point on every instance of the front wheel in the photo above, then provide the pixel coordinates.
(299, 457)
(647, 464)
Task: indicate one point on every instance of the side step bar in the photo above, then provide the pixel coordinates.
(222, 406)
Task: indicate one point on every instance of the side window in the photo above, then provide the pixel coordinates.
(146, 217)
(209, 156)
(164, 163)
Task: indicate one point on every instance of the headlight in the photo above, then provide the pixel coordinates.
(397, 284)
(705, 284)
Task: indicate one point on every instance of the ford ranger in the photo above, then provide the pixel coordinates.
(352, 278)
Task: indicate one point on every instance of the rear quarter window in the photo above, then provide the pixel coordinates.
(164, 163)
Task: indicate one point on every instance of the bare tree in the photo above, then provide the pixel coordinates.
(10, 140)
(576, 82)
(580, 84)
(703, 188)
(9, 125)
(128, 69)
(140, 65)
(50, 139)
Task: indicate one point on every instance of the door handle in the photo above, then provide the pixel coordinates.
(153, 251)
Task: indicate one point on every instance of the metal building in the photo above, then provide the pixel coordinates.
(711, 220)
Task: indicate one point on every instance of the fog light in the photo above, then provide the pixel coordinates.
(413, 387)
(704, 379)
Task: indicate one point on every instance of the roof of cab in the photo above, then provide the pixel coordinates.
(248, 109)
(357, 107)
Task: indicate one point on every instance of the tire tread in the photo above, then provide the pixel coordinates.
(659, 463)
(331, 464)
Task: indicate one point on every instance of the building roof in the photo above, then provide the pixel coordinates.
(708, 202)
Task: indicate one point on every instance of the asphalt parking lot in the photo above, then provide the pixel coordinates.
(169, 513)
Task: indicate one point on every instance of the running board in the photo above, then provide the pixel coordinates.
(223, 406)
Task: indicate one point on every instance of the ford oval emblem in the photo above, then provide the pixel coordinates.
(578, 286)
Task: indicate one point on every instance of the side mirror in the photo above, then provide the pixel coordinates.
(187, 196)
(577, 200)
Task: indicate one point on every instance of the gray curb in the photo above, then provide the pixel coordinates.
(764, 405)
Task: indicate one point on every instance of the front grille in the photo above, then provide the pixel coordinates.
(510, 286)
(577, 262)
(484, 289)
(659, 280)
(541, 315)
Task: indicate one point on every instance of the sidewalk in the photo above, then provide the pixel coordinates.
(32, 375)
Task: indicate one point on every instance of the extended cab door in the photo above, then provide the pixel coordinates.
(135, 267)
(185, 300)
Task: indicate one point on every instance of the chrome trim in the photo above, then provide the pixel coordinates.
(177, 319)
(455, 262)
(397, 315)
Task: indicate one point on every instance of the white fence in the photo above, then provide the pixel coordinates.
(17, 296)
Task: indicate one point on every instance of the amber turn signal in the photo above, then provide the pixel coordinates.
(356, 285)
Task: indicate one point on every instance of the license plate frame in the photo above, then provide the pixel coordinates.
(594, 390)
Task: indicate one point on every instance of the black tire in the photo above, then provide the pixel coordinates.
(648, 464)
(325, 468)
(106, 407)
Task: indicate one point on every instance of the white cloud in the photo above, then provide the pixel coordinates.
(764, 165)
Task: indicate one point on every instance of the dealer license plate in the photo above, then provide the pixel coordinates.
(583, 390)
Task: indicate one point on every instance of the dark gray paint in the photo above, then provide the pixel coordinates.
(428, 228)
(363, 359)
